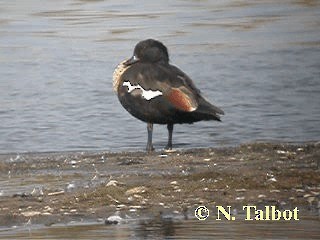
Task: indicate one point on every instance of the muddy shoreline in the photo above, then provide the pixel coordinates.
(62, 187)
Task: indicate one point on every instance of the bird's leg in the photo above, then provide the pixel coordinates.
(149, 143)
(170, 130)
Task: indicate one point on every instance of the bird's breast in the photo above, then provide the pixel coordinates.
(119, 70)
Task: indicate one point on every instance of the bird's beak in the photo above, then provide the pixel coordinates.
(132, 60)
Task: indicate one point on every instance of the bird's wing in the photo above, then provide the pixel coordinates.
(181, 92)
(166, 81)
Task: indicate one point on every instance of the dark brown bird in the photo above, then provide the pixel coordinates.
(154, 91)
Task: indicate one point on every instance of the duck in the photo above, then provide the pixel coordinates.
(156, 92)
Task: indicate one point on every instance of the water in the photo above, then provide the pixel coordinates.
(257, 60)
(169, 229)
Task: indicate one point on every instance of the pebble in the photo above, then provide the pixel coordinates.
(274, 191)
(240, 198)
(241, 190)
(121, 206)
(135, 207)
(37, 191)
(112, 183)
(30, 213)
(115, 219)
(71, 186)
(135, 190)
(46, 214)
(113, 199)
(273, 179)
(311, 199)
(281, 152)
(73, 162)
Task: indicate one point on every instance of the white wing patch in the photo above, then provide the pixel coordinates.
(146, 94)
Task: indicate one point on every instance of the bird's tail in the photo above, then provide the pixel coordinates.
(209, 109)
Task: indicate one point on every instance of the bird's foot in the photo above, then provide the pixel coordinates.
(168, 148)
(149, 148)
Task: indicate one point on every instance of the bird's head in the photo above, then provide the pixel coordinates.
(149, 51)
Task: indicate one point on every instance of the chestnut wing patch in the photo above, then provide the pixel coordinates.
(182, 100)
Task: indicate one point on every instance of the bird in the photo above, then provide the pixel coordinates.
(156, 92)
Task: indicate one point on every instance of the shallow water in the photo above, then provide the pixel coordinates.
(258, 60)
(170, 229)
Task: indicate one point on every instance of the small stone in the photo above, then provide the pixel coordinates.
(281, 152)
(241, 190)
(311, 199)
(240, 198)
(121, 206)
(135, 207)
(135, 190)
(71, 186)
(273, 179)
(46, 214)
(112, 183)
(274, 191)
(30, 213)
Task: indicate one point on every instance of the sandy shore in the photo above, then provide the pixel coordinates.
(92, 186)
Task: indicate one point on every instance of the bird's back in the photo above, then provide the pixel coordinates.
(162, 93)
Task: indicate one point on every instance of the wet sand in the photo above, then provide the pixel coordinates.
(64, 187)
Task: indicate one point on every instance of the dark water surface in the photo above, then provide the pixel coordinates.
(168, 229)
(258, 60)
